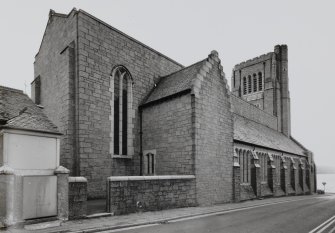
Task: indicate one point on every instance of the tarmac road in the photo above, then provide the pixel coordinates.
(314, 215)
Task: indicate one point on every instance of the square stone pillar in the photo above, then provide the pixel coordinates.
(62, 192)
(7, 194)
(77, 197)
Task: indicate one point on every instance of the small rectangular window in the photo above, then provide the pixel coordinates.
(37, 83)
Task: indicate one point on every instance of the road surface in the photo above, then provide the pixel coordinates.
(314, 215)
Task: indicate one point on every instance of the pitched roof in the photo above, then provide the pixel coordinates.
(19, 111)
(175, 82)
(249, 131)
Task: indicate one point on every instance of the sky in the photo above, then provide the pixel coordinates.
(188, 31)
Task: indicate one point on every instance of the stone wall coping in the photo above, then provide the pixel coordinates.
(62, 170)
(6, 170)
(165, 177)
(77, 179)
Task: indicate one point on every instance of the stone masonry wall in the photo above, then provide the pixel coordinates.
(276, 173)
(251, 112)
(213, 138)
(167, 128)
(100, 49)
(149, 193)
(55, 64)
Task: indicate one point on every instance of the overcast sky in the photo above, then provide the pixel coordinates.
(187, 31)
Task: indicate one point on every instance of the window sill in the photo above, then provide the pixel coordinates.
(245, 184)
(122, 156)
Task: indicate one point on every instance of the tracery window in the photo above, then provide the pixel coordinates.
(121, 113)
(244, 161)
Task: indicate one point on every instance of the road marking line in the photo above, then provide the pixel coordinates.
(230, 211)
(332, 230)
(325, 227)
(181, 218)
(129, 228)
(322, 224)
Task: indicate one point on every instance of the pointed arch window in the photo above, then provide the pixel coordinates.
(249, 84)
(260, 81)
(244, 86)
(122, 113)
(254, 80)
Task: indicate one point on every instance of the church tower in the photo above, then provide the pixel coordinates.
(263, 82)
(282, 71)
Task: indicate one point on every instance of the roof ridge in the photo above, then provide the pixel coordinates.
(11, 89)
(184, 68)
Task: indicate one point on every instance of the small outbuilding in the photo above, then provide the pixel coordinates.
(32, 184)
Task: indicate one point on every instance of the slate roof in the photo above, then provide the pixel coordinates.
(176, 82)
(252, 132)
(20, 112)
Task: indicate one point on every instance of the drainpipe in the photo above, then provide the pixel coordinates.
(141, 141)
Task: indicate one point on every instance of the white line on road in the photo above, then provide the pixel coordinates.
(214, 213)
(129, 228)
(332, 230)
(316, 229)
(233, 210)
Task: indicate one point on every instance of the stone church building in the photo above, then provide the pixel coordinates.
(126, 110)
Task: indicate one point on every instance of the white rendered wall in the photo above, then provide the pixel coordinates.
(30, 152)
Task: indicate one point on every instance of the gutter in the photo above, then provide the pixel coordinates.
(269, 148)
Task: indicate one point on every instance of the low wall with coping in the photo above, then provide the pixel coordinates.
(77, 197)
(129, 194)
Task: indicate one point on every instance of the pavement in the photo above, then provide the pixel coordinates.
(137, 220)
